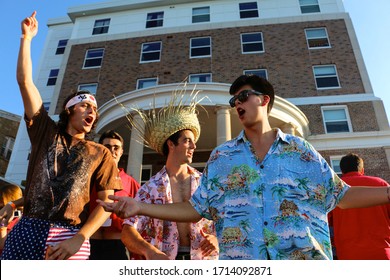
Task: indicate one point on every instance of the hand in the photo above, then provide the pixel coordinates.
(156, 255)
(65, 249)
(209, 244)
(124, 207)
(6, 214)
(30, 25)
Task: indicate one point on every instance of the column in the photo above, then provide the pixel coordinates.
(136, 150)
(224, 131)
(288, 128)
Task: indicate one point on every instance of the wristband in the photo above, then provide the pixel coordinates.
(13, 205)
(24, 36)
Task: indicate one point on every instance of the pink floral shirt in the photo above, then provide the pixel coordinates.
(164, 234)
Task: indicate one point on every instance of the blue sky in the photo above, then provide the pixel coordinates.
(371, 24)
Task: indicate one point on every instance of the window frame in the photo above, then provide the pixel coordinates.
(53, 75)
(79, 87)
(93, 58)
(97, 30)
(244, 12)
(7, 147)
(146, 79)
(252, 42)
(142, 52)
(332, 159)
(317, 38)
(207, 15)
(316, 77)
(159, 22)
(333, 108)
(305, 8)
(61, 46)
(251, 72)
(200, 47)
(191, 76)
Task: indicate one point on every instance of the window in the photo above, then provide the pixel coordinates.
(6, 148)
(151, 52)
(92, 88)
(200, 47)
(200, 78)
(335, 164)
(317, 38)
(258, 72)
(146, 83)
(146, 173)
(326, 77)
(336, 119)
(248, 10)
(61, 46)
(93, 58)
(252, 43)
(201, 14)
(52, 77)
(46, 105)
(154, 19)
(309, 6)
(101, 26)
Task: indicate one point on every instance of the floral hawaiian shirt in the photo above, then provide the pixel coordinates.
(164, 234)
(274, 209)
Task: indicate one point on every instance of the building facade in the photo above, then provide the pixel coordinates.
(133, 52)
(9, 124)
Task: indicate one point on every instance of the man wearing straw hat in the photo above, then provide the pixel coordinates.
(173, 132)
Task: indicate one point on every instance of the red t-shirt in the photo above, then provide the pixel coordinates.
(362, 233)
(130, 188)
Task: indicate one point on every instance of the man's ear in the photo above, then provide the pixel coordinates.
(266, 100)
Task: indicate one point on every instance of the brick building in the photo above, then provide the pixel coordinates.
(138, 50)
(9, 124)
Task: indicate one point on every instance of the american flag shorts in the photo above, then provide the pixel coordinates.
(59, 234)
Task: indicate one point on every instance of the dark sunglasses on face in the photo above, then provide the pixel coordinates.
(243, 96)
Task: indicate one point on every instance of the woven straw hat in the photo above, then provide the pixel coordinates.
(160, 125)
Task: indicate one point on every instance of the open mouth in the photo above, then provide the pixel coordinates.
(240, 112)
(89, 120)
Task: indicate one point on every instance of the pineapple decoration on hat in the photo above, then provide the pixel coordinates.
(159, 124)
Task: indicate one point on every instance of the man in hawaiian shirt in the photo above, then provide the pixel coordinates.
(267, 192)
(174, 135)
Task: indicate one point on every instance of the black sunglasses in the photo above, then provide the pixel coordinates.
(243, 96)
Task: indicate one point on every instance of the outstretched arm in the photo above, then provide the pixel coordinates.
(358, 197)
(31, 98)
(125, 207)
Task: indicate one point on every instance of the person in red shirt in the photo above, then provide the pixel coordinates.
(361, 233)
(106, 242)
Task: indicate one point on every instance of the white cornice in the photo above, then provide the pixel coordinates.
(331, 99)
(353, 140)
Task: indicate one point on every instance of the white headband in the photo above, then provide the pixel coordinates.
(81, 98)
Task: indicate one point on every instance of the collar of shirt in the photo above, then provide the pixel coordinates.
(280, 136)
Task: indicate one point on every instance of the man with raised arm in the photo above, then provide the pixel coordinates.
(62, 168)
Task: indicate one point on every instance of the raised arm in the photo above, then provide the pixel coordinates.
(32, 100)
(125, 207)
